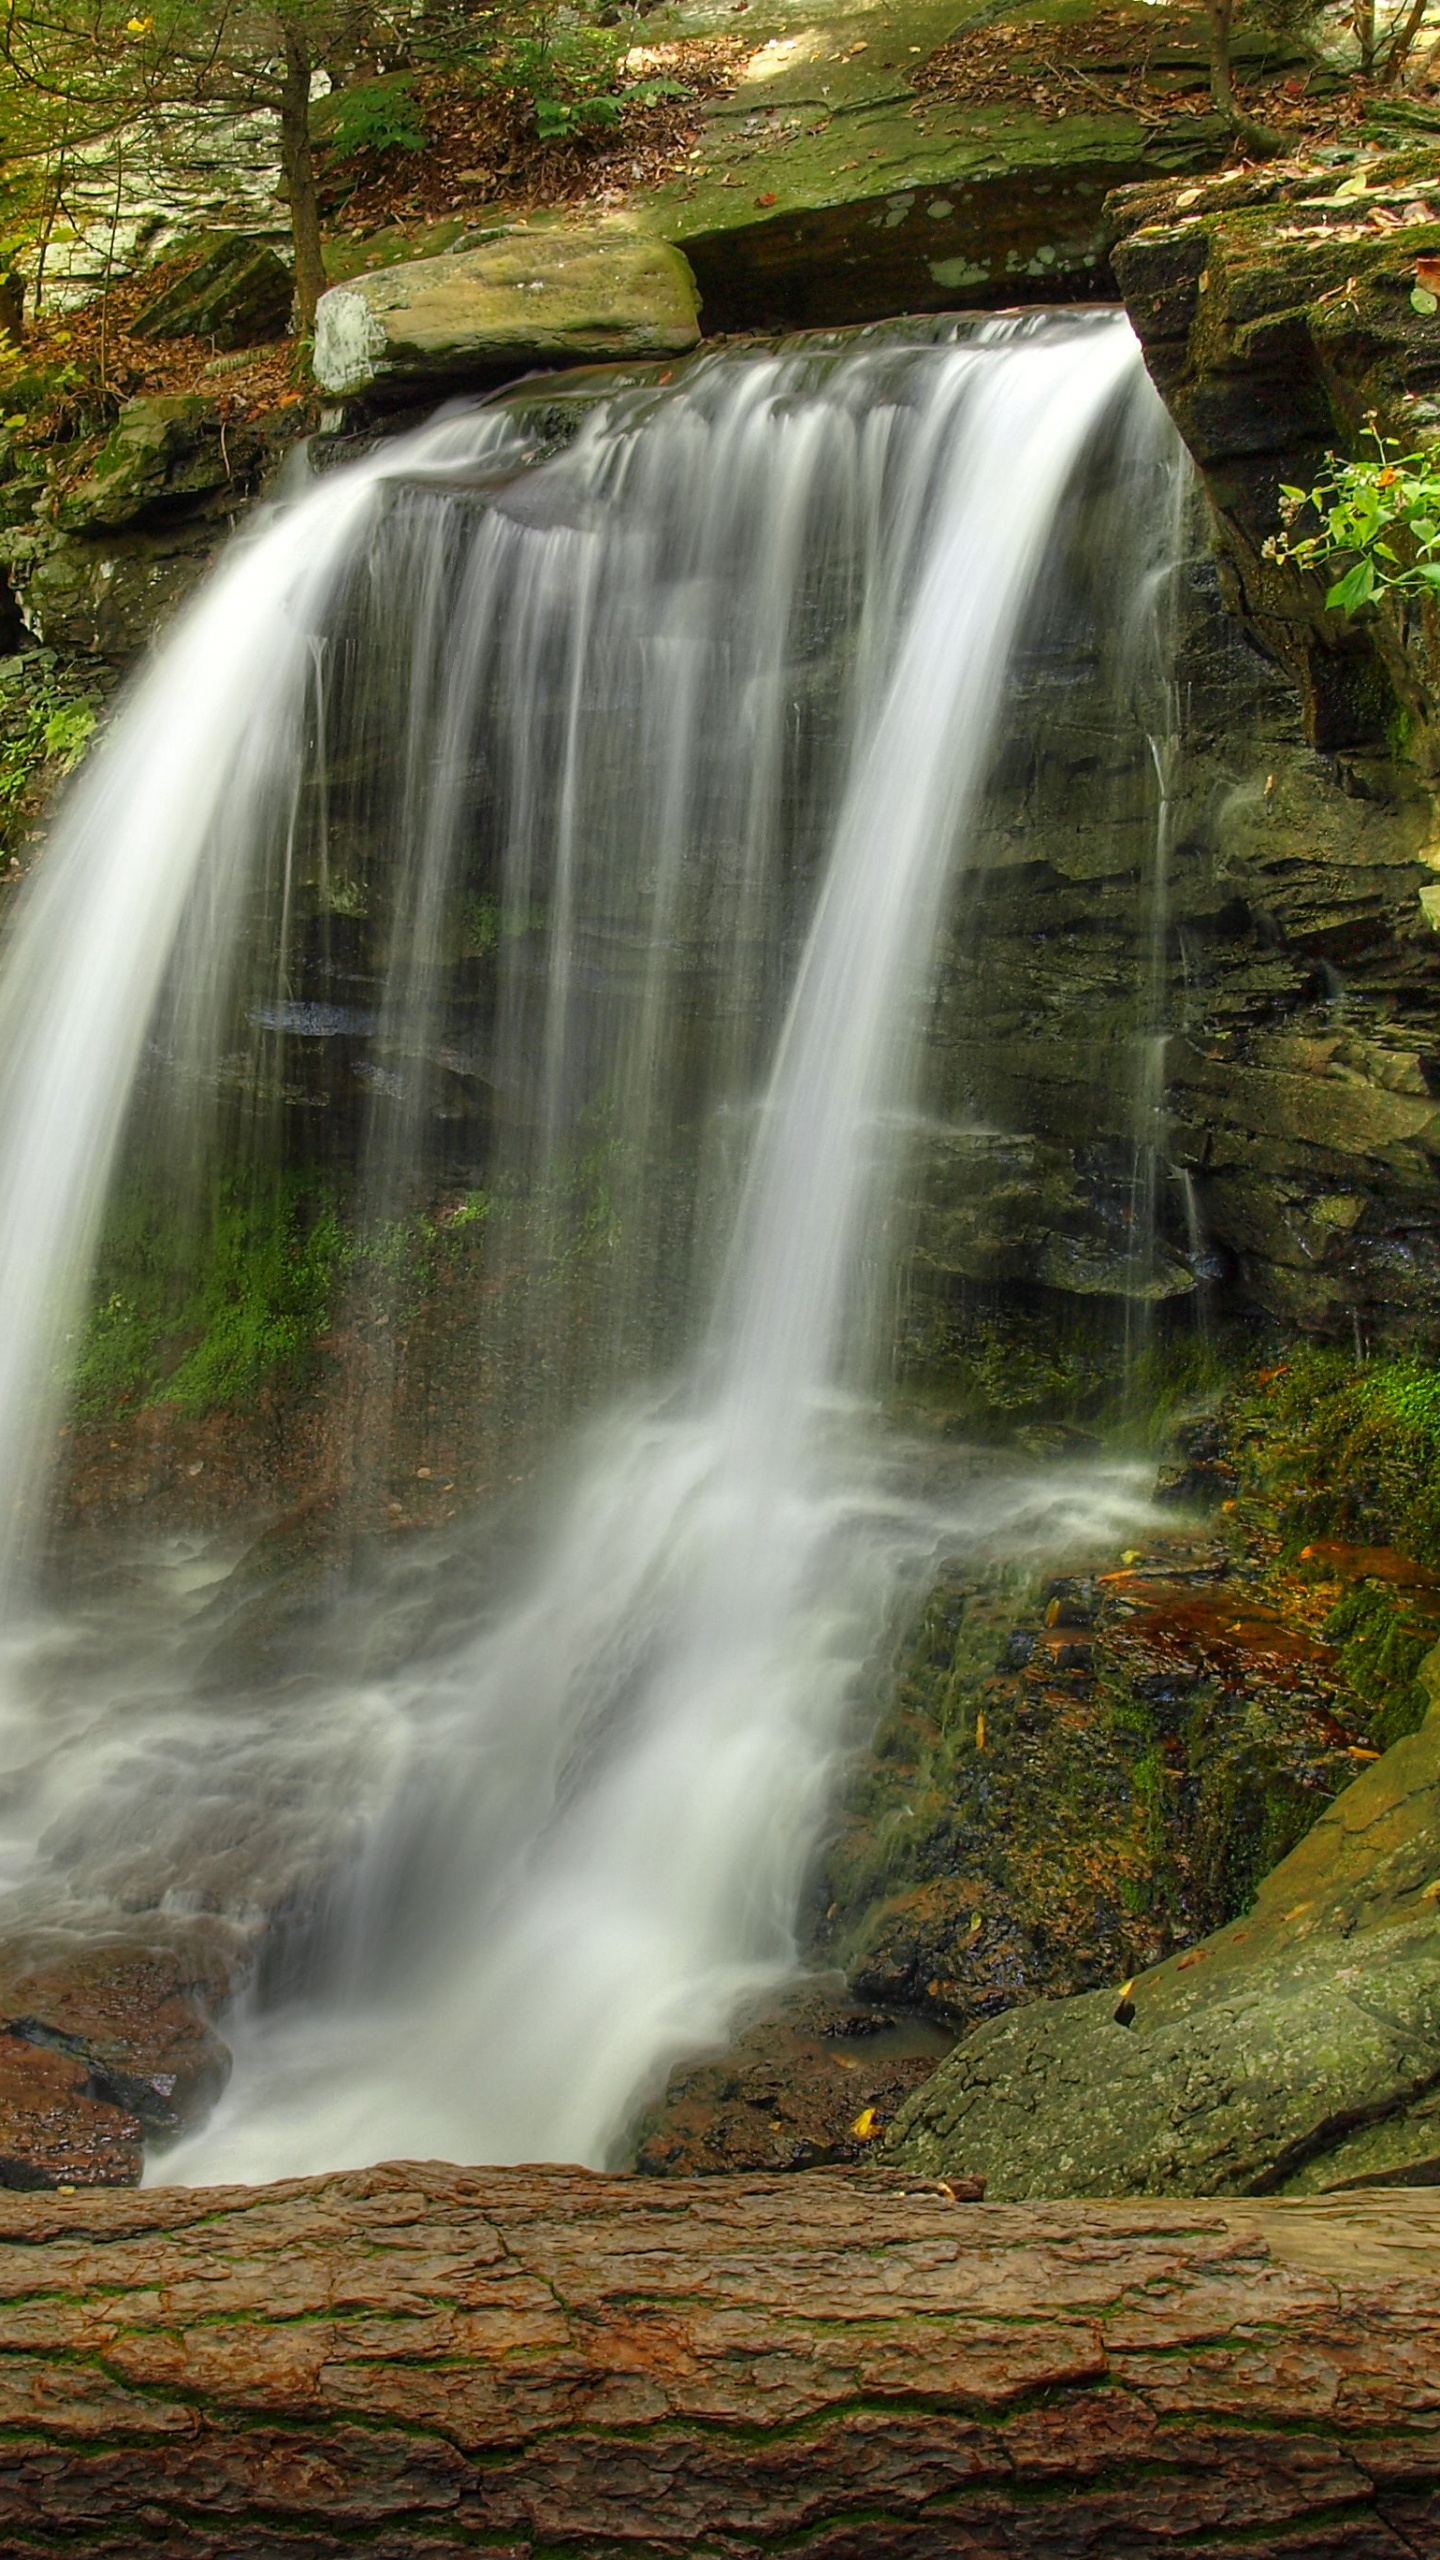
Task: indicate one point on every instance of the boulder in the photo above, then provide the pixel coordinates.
(103, 2043)
(522, 297)
(162, 452)
(238, 293)
(1299, 2048)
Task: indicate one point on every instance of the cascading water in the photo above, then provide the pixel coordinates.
(714, 691)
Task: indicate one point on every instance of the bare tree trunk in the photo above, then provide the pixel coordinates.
(297, 157)
(1402, 41)
(435, 2361)
(1222, 84)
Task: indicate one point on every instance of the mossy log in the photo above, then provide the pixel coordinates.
(437, 2360)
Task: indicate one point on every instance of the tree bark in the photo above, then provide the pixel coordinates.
(297, 159)
(1222, 83)
(432, 2360)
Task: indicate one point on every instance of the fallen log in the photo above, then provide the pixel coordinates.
(527, 2362)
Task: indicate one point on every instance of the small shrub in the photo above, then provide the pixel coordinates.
(1381, 513)
(372, 116)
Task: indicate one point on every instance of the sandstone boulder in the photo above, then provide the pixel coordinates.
(519, 298)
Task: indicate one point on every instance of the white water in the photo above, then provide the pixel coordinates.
(587, 1818)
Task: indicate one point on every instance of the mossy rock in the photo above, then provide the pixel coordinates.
(1250, 2061)
(828, 188)
(162, 452)
(237, 293)
(521, 297)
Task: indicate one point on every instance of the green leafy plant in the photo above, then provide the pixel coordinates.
(1380, 512)
(571, 80)
(372, 116)
(43, 735)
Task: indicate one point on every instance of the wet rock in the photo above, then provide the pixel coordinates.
(1299, 2047)
(105, 2043)
(1065, 1790)
(104, 599)
(237, 294)
(815, 2078)
(54, 2130)
(522, 297)
(133, 2015)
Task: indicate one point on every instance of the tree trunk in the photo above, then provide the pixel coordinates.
(297, 159)
(1222, 83)
(433, 2361)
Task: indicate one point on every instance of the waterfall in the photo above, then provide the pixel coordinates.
(712, 694)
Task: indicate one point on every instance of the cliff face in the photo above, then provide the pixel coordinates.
(1276, 317)
(1279, 951)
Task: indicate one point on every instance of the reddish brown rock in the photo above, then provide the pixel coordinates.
(437, 2360)
(812, 2079)
(103, 2042)
(53, 2130)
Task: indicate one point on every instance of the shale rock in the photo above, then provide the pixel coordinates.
(1298, 2047)
(237, 294)
(521, 297)
(420, 2359)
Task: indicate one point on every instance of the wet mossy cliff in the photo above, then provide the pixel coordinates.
(1302, 1066)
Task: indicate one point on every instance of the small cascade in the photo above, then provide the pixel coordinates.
(1152, 651)
(653, 764)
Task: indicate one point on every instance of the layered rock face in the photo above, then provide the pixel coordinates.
(1212, 999)
(1276, 317)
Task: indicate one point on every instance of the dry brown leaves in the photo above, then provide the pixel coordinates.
(484, 150)
(1118, 61)
(97, 363)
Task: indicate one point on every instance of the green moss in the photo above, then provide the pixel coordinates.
(1346, 1449)
(47, 718)
(1328, 1447)
(1038, 1377)
(1381, 1651)
(214, 1318)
